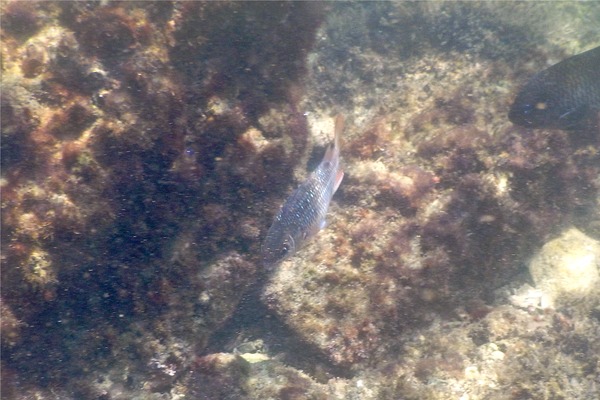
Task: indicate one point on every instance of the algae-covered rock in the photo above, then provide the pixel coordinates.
(567, 269)
(138, 149)
(228, 376)
(146, 147)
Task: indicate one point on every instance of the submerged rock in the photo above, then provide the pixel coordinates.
(147, 146)
(138, 144)
(567, 270)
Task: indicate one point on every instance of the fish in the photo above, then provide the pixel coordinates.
(304, 212)
(561, 96)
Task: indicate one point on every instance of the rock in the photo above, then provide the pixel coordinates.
(567, 269)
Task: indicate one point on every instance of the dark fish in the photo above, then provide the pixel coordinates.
(561, 96)
(303, 213)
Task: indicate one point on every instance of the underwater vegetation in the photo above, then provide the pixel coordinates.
(147, 147)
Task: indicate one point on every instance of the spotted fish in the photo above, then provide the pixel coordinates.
(561, 96)
(303, 213)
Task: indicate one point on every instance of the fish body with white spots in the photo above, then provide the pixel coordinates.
(303, 213)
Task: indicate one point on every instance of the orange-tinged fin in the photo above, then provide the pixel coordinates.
(338, 179)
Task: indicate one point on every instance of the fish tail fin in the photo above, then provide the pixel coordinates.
(338, 179)
(333, 151)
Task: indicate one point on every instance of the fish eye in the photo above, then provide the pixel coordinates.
(527, 108)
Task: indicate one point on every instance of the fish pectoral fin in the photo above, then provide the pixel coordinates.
(314, 229)
(292, 244)
(323, 224)
(574, 113)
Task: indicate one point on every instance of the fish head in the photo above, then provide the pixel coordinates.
(535, 106)
(542, 104)
(277, 248)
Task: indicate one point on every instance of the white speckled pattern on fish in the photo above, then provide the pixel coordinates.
(303, 213)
